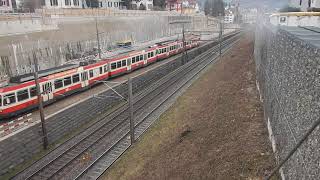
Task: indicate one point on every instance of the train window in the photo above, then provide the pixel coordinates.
(137, 58)
(133, 59)
(0, 100)
(113, 66)
(67, 81)
(141, 57)
(151, 54)
(100, 69)
(9, 99)
(124, 62)
(75, 78)
(23, 95)
(91, 73)
(105, 68)
(33, 91)
(58, 84)
(118, 64)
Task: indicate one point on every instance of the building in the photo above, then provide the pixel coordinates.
(52, 4)
(6, 6)
(305, 5)
(249, 15)
(228, 17)
(183, 6)
(148, 4)
(296, 19)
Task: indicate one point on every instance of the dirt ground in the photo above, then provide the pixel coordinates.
(215, 130)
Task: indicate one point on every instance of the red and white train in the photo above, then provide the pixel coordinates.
(21, 96)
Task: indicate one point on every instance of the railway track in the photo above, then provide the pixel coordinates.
(100, 145)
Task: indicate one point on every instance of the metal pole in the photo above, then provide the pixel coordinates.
(131, 110)
(220, 36)
(42, 118)
(98, 40)
(184, 46)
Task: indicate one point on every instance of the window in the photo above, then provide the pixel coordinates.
(115, 4)
(148, 55)
(9, 99)
(113, 65)
(151, 54)
(33, 91)
(141, 57)
(91, 73)
(23, 95)
(137, 58)
(282, 19)
(0, 100)
(84, 76)
(75, 78)
(105, 68)
(67, 81)
(58, 84)
(100, 69)
(133, 59)
(118, 64)
(124, 62)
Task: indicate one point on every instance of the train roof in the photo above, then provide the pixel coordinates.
(42, 73)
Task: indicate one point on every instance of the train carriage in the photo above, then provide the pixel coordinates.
(55, 83)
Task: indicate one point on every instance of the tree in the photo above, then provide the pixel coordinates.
(214, 8)
(127, 3)
(142, 7)
(29, 5)
(92, 3)
(160, 4)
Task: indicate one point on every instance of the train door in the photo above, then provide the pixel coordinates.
(129, 64)
(84, 79)
(47, 93)
(145, 59)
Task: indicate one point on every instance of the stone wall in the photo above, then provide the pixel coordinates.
(21, 146)
(288, 78)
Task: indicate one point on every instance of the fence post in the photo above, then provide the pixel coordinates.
(131, 110)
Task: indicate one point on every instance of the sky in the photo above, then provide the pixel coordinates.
(270, 3)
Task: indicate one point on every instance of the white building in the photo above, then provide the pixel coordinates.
(147, 3)
(228, 17)
(50, 4)
(304, 5)
(296, 19)
(5, 5)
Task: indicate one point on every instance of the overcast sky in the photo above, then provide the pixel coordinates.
(270, 3)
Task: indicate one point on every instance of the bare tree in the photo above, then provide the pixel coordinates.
(30, 5)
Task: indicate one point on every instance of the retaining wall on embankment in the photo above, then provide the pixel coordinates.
(288, 78)
(24, 145)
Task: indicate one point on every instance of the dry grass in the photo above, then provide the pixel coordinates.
(214, 131)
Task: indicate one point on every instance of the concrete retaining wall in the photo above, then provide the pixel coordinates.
(288, 77)
(8, 28)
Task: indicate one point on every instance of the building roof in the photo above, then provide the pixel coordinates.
(297, 14)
